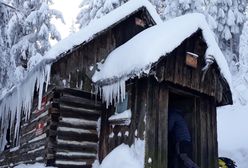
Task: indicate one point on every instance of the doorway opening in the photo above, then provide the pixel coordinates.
(181, 116)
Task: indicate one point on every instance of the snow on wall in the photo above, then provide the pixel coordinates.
(127, 114)
(132, 59)
(19, 98)
(131, 157)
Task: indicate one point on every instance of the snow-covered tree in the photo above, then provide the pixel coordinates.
(29, 31)
(230, 17)
(72, 28)
(6, 64)
(243, 51)
(176, 8)
(93, 9)
(160, 6)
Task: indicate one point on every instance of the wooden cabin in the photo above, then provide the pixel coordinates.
(73, 129)
(63, 133)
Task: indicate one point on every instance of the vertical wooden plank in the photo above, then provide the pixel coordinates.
(203, 134)
(208, 132)
(104, 138)
(211, 134)
(163, 126)
(134, 99)
(151, 130)
(195, 114)
(214, 138)
(141, 107)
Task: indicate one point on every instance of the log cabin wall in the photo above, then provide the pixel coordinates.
(76, 68)
(33, 133)
(76, 137)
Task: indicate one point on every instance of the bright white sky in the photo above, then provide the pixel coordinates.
(70, 9)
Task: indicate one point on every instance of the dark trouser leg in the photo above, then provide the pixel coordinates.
(184, 148)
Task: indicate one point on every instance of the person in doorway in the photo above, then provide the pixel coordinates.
(179, 140)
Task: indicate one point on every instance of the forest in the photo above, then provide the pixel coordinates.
(26, 31)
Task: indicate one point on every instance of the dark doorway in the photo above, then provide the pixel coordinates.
(184, 105)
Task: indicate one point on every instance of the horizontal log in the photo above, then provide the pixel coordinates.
(31, 124)
(68, 114)
(77, 93)
(76, 131)
(80, 101)
(75, 136)
(32, 135)
(72, 155)
(78, 123)
(77, 144)
(81, 110)
(75, 164)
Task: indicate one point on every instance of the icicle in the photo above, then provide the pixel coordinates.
(19, 101)
(40, 84)
(114, 93)
(48, 72)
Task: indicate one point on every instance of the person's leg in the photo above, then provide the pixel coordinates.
(185, 147)
(185, 151)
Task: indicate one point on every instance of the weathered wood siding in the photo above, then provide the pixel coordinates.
(205, 146)
(116, 133)
(33, 143)
(76, 68)
(75, 142)
(156, 124)
(172, 68)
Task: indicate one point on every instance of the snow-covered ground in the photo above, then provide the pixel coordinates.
(36, 165)
(124, 156)
(232, 133)
(232, 125)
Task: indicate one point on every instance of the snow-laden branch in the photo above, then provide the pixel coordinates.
(9, 6)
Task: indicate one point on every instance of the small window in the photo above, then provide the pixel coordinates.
(122, 106)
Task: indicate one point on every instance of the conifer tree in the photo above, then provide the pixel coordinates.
(6, 63)
(94, 9)
(176, 8)
(230, 18)
(29, 31)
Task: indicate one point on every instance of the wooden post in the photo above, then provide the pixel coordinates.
(163, 126)
(156, 125)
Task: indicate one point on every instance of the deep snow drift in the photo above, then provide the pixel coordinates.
(232, 125)
(124, 156)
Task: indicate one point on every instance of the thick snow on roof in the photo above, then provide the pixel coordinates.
(137, 55)
(101, 24)
(20, 96)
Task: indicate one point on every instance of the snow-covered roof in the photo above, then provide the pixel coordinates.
(144, 49)
(98, 25)
(20, 96)
(136, 56)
